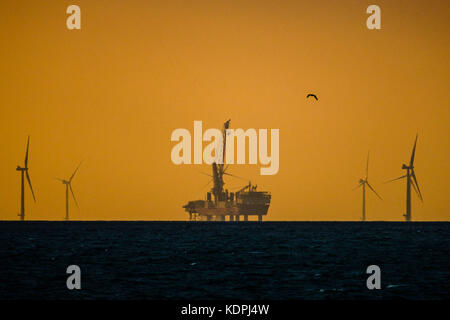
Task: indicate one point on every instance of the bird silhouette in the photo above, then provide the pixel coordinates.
(312, 95)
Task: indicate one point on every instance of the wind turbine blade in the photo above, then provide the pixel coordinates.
(26, 153)
(415, 188)
(31, 187)
(417, 185)
(358, 186)
(59, 179)
(73, 195)
(73, 174)
(396, 179)
(367, 167)
(411, 162)
(232, 175)
(206, 184)
(206, 174)
(374, 191)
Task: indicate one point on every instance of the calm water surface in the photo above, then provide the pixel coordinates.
(237, 260)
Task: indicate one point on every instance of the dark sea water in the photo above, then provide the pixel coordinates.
(231, 260)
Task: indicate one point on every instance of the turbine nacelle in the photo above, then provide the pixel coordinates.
(405, 167)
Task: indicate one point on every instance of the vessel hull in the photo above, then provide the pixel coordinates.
(235, 210)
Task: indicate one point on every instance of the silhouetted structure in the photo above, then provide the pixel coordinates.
(68, 184)
(363, 183)
(24, 172)
(411, 180)
(220, 203)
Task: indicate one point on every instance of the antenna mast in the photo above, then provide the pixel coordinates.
(217, 169)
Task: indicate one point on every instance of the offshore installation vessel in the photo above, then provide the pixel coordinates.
(219, 203)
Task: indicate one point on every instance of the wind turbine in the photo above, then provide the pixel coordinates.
(411, 180)
(364, 183)
(24, 172)
(68, 184)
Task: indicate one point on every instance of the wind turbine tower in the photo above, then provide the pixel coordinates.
(363, 183)
(68, 184)
(411, 180)
(24, 172)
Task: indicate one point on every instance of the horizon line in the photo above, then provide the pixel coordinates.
(100, 220)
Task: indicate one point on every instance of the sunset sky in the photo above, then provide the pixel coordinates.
(111, 94)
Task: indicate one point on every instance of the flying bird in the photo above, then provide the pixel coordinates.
(312, 95)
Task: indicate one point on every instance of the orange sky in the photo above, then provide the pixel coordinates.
(112, 93)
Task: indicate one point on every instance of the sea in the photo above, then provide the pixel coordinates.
(224, 260)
